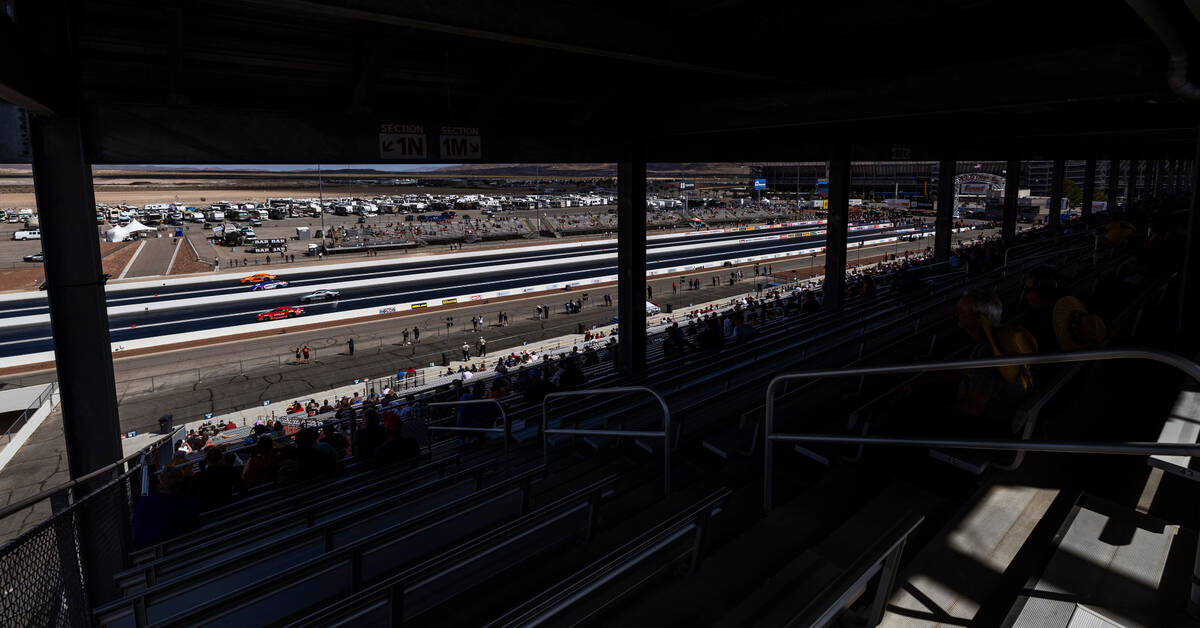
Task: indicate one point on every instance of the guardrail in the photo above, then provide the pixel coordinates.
(1128, 448)
(21, 420)
(665, 434)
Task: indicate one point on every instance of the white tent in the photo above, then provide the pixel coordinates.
(136, 226)
(652, 309)
(116, 234)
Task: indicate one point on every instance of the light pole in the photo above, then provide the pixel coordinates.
(321, 205)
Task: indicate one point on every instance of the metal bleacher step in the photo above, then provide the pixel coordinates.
(965, 563)
(748, 548)
(1109, 568)
(1182, 427)
(971, 461)
(804, 579)
(734, 441)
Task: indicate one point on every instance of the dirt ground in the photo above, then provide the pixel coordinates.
(114, 256)
(184, 191)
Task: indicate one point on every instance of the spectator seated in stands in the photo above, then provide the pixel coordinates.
(367, 439)
(166, 514)
(260, 469)
(983, 400)
(1043, 288)
(215, 484)
(304, 461)
(474, 414)
(335, 440)
(398, 448)
(571, 376)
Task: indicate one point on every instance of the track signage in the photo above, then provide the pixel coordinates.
(760, 184)
(460, 142)
(402, 141)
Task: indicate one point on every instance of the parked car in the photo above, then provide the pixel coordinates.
(320, 296)
(254, 222)
(28, 234)
(285, 311)
(258, 278)
(36, 257)
(269, 285)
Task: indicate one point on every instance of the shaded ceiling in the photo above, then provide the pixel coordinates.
(210, 81)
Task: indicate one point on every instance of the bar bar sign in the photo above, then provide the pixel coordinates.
(460, 142)
(402, 141)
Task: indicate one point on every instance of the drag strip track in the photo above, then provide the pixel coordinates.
(489, 274)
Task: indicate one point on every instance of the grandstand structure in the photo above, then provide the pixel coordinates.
(881, 448)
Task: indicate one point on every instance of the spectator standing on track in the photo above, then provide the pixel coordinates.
(482, 347)
(649, 292)
(404, 333)
(306, 353)
(466, 352)
(350, 346)
(416, 334)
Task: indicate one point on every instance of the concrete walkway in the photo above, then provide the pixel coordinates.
(154, 259)
(39, 465)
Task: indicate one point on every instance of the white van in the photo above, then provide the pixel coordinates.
(30, 234)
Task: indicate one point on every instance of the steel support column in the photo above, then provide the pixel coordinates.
(1189, 298)
(1089, 187)
(1155, 171)
(1114, 179)
(944, 224)
(1054, 217)
(82, 352)
(1131, 184)
(837, 231)
(1012, 183)
(631, 264)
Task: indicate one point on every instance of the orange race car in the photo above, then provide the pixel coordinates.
(258, 278)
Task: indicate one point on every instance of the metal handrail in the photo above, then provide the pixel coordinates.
(507, 429)
(665, 434)
(1052, 238)
(1132, 448)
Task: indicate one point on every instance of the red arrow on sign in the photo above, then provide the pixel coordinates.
(474, 148)
(387, 145)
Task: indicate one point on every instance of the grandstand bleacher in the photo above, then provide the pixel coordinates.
(873, 446)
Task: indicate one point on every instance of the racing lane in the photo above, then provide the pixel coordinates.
(390, 268)
(22, 340)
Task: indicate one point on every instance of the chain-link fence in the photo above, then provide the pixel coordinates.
(45, 571)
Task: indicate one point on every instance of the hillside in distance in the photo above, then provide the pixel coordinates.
(596, 170)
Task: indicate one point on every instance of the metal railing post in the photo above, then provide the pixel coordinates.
(665, 434)
(506, 430)
(1129, 448)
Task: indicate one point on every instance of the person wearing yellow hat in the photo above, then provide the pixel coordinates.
(991, 393)
(1075, 328)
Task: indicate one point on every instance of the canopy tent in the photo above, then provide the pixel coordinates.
(652, 309)
(116, 234)
(136, 226)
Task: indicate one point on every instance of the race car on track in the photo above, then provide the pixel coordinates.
(285, 311)
(258, 278)
(270, 285)
(318, 296)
